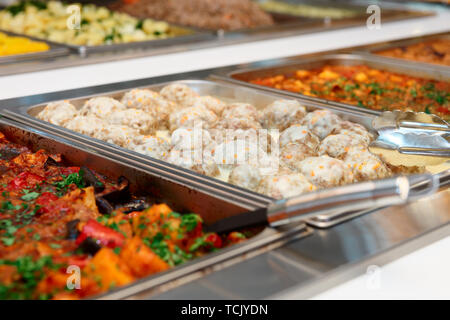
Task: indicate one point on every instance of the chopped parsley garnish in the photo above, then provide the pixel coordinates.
(30, 196)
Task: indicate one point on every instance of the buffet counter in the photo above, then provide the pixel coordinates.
(367, 257)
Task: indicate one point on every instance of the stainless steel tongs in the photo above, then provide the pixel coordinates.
(411, 138)
(365, 195)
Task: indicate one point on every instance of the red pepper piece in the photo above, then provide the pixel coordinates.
(46, 198)
(25, 180)
(106, 236)
(214, 240)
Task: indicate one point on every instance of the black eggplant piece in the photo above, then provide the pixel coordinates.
(104, 207)
(3, 169)
(135, 205)
(90, 179)
(72, 230)
(121, 194)
(51, 162)
(90, 246)
(7, 153)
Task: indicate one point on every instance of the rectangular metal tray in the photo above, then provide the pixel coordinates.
(55, 50)
(371, 50)
(179, 197)
(187, 36)
(25, 112)
(242, 74)
(288, 24)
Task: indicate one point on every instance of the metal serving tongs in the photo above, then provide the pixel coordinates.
(359, 196)
(411, 138)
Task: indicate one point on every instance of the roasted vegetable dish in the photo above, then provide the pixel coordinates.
(367, 88)
(81, 24)
(55, 219)
(432, 51)
(10, 45)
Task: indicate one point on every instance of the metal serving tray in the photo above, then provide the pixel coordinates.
(371, 50)
(22, 110)
(180, 198)
(289, 24)
(186, 36)
(55, 50)
(242, 74)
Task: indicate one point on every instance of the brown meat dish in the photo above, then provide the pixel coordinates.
(205, 14)
(433, 51)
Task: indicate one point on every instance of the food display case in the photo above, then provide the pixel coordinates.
(296, 260)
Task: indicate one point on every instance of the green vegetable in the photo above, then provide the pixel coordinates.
(190, 221)
(75, 178)
(30, 196)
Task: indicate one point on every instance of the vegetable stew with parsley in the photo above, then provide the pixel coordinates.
(56, 219)
(367, 88)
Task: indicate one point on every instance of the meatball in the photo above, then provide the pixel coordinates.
(58, 113)
(215, 105)
(137, 119)
(152, 146)
(365, 165)
(235, 152)
(179, 94)
(116, 134)
(192, 116)
(241, 111)
(321, 122)
(245, 176)
(101, 107)
(140, 98)
(188, 138)
(238, 123)
(299, 134)
(337, 145)
(281, 114)
(326, 172)
(354, 130)
(87, 125)
(285, 185)
(194, 160)
(219, 135)
(151, 102)
(293, 153)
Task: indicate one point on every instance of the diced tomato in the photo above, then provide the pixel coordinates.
(106, 236)
(197, 231)
(46, 198)
(443, 110)
(235, 237)
(214, 240)
(25, 180)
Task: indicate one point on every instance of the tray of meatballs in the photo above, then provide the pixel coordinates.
(257, 142)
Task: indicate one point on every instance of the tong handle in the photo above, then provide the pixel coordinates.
(444, 153)
(353, 197)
